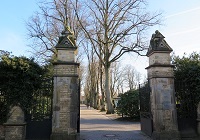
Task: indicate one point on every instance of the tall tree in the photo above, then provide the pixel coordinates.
(131, 77)
(116, 78)
(46, 25)
(116, 27)
(187, 69)
(187, 83)
(91, 74)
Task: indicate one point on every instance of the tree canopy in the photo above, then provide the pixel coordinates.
(187, 68)
(116, 27)
(19, 78)
(128, 104)
(187, 83)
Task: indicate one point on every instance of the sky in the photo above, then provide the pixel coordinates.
(13, 15)
(180, 26)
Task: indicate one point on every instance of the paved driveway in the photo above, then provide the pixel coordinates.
(97, 125)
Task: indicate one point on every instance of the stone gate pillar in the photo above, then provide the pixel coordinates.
(65, 94)
(161, 78)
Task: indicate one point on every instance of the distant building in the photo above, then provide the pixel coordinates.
(116, 99)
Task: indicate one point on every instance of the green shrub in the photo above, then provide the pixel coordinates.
(128, 105)
(3, 112)
(20, 79)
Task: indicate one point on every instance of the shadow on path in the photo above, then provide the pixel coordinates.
(96, 125)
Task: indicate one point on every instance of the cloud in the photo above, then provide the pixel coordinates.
(183, 12)
(185, 31)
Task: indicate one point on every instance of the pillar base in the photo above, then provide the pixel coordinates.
(198, 126)
(15, 131)
(166, 135)
(64, 136)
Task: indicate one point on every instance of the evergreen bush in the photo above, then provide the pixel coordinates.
(128, 105)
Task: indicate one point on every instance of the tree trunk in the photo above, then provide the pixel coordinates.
(102, 100)
(95, 100)
(110, 108)
(91, 99)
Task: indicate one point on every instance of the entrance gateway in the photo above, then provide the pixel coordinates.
(161, 114)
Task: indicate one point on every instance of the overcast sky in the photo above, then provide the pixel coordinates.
(180, 26)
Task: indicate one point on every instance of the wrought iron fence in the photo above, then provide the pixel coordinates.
(41, 106)
(145, 109)
(187, 99)
(39, 115)
(144, 95)
(3, 108)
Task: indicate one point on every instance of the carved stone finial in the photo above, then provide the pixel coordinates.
(16, 115)
(66, 40)
(158, 43)
(66, 32)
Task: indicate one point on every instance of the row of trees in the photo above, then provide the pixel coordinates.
(104, 31)
(122, 79)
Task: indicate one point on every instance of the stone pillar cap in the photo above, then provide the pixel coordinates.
(158, 44)
(16, 115)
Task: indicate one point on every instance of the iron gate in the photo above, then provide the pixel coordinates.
(78, 114)
(186, 104)
(145, 109)
(39, 116)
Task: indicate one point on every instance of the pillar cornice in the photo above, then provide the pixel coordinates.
(160, 65)
(66, 63)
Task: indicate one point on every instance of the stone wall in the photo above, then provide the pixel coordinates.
(66, 104)
(2, 133)
(15, 125)
(65, 70)
(162, 104)
(14, 132)
(160, 71)
(159, 58)
(66, 55)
